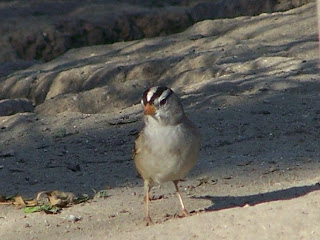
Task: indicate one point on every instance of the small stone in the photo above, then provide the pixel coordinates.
(27, 225)
(74, 167)
(73, 218)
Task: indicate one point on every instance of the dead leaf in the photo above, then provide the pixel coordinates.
(66, 196)
(51, 210)
(18, 201)
(42, 198)
(81, 199)
(31, 203)
(54, 201)
(47, 201)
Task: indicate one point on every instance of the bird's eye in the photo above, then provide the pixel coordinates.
(163, 101)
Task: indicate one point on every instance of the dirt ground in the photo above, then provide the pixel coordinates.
(251, 84)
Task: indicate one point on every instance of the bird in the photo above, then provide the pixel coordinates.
(168, 145)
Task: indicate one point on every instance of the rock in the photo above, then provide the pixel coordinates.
(110, 78)
(70, 24)
(13, 106)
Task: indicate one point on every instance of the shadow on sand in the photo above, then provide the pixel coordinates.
(225, 202)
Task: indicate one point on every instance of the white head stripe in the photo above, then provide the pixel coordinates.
(164, 95)
(150, 93)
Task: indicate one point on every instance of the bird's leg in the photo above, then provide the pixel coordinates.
(147, 188)
(184, 212)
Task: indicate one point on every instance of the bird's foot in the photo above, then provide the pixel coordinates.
(148, 221)
(184, 213)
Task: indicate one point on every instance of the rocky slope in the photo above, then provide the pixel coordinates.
(37, 30)
(250, 83)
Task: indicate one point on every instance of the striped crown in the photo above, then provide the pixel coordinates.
(159, 92)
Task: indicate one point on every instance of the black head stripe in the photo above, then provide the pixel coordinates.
(156, 93)
(144, 96)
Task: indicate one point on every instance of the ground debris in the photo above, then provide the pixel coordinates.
(7, 153)
(47, 201)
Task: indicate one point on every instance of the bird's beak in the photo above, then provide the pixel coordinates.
(149, 109)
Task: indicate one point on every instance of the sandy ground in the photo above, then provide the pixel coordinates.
(253, 90)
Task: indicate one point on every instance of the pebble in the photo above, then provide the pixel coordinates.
(73, 218)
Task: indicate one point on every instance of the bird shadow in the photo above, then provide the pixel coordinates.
(225, 202)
